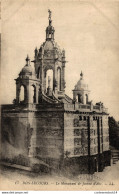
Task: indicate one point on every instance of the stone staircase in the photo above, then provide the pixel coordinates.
(114, 163)
(115, 156)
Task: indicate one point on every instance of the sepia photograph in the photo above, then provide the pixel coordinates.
(59, 95)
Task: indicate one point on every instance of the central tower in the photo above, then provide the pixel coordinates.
(49, 62)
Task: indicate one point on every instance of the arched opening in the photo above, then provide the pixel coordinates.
(49, 79)
(49, 35)
(22, 93)
(59, 78)
(86, 98)
(79, 98)
(39, 95)
(33, 94)
(52, 36)
(38, 75)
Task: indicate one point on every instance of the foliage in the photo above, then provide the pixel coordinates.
(114, 132)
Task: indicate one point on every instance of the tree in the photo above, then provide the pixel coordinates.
(114, 132)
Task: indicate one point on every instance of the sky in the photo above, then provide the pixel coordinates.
(87, 30)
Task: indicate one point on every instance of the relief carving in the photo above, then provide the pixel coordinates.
(76, 123)
(77, 132)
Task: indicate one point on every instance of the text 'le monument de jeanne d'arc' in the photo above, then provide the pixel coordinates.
(45, 129)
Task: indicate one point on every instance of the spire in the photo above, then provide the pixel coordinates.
(50, 29)
(27, 61)
(81, 75)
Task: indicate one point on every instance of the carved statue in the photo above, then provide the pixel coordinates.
(49, 14)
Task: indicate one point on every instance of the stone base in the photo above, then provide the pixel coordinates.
(74, 166)
(86, 164)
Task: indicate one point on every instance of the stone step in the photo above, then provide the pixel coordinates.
(16, 166)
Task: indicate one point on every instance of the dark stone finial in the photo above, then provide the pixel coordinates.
(63, 52)
(27, 60)
(36, 49)
(81, 74)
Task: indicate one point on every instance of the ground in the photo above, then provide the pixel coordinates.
(20, 179)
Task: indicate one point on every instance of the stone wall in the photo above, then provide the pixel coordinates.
(85, 135)
(75, 135)
(32, 134)
(105, 133)
(15, 139)
(49, 136)
(93, 136)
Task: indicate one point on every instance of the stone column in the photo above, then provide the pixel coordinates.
(102, 133)
(63, 77)
(89, 159)
(17, 92)
(98, 131)
(100, 128)
(83, 96)
(42, 76)
(88, 120)
(37, 94)
(55, 80)
(28, 96)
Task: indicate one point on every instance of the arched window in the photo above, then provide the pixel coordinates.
(80, 118)
(49, 74)
(59, 78)
(22, 93)
(84, 118)
(33, 94)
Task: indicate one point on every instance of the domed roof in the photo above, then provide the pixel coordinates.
(51, 49)
(51, 45)
(81, 85)
(27, 69)
(48, 45)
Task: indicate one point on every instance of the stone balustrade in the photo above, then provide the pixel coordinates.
(85, 108)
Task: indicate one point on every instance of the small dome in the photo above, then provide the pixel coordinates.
(27, 69)
(81, 85)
